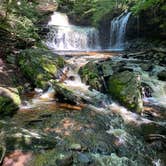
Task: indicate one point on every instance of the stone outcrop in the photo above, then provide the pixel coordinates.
(9, 101)
(39, 66)
(117, 79)
(126, 88)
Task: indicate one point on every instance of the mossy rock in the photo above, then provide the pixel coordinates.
(9, 101)
(90, 75)
(162, 75)
(125, 87)
(112, 160)
(2, 153)
(39, 65)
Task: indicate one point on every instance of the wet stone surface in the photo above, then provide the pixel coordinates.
(73, 137)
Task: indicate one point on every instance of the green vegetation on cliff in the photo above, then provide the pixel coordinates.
(91, 12)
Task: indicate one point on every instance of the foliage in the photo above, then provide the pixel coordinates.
(91, 12)
(19, 17)
(94, 10)
(155, 10)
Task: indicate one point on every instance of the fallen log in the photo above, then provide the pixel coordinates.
(69, 106)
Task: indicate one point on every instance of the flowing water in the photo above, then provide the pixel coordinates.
(118, 31)
(66, 37)
(100, 131)
(97, 132)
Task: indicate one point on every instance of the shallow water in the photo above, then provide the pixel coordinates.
(98, 132)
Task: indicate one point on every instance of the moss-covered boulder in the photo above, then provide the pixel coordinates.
(39, 65)
(9, 101)
(125, 87)
(90, 75)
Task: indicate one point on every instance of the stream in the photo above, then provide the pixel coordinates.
(98, 132)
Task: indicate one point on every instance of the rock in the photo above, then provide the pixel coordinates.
(65, 161)
(2, 153)
(151, 128)
(9, 101)
(76, 147)
(162, 75)
(83, 158)
(28, 140)
(39, 66)
(112, 160)
(90, 75)
(106, 68)
(146, 66)
(147, 90)
(65, 94)
(126, 88)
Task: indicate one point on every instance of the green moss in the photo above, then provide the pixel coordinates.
(9, 101)
(7, 106)
(39, 65)
(126, 89)
(89, 74)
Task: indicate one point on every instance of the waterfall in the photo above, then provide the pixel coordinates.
(118, 30)
(66, 37)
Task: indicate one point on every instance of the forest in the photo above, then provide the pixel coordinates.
(82, 82)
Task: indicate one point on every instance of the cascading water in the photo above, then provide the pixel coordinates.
(66, 37)
(118, 31)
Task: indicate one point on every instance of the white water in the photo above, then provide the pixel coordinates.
(158, 87)
(66, 37)
(118, 31)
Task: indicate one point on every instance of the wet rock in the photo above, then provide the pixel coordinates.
(147, 90)
(112, 160)
(9, 101)
(39, 66)
(2, 153)
(152, 128)
(90, 75)
(21, 138)
(66, 94)
(162, 75)
(106, 68)
(65, 161)
(125, 87)
(18, 158)
(84, 158)
(76, 147)
(146, 66)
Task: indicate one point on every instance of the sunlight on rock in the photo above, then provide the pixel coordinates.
(17, 158)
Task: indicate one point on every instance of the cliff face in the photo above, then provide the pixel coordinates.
(146, 25)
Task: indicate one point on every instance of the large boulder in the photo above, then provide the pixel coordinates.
(39, 66)
(90, 75)
(9, 101)
(126, 88)
(42, 68)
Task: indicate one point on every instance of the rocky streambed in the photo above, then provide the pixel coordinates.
(117, 118)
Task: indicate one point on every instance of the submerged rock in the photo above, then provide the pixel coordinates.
(9, 101)
(125, 87)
